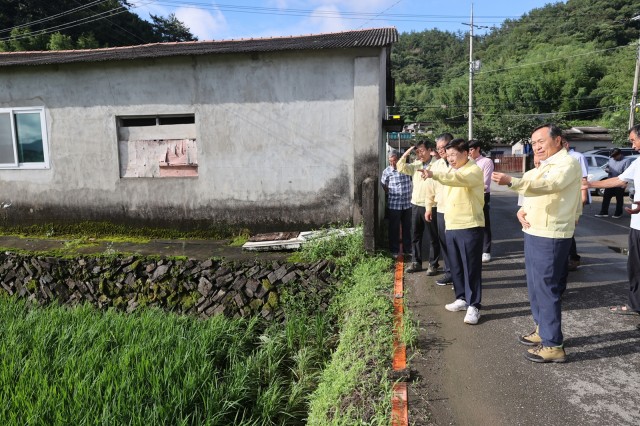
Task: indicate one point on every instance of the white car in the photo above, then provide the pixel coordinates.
(596, 173)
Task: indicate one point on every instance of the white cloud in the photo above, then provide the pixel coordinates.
(203, 24)
(325, 19)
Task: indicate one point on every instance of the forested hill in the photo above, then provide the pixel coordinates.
(571, 62)
(81, 24)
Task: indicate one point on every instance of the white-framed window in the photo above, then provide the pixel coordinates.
(23, 139)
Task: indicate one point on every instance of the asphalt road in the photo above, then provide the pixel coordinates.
(463, 374)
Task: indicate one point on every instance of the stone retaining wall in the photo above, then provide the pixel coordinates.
(202, 288)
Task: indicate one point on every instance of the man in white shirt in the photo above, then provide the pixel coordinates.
(487, 168)
(631, 174)
(574, 257)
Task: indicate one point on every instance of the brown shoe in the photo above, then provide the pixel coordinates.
(546, 354)
(531, 339)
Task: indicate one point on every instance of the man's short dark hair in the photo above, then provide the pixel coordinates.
(635, 129)
(473, 143)
(394, 153)
(459, 145)
(447, 137)
(615, 152)
(424, 142)
(554, 130)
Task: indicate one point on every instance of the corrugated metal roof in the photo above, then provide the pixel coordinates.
(376, 37)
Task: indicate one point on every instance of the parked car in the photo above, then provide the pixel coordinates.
(596, 160)
(607, 151)
(596, 172)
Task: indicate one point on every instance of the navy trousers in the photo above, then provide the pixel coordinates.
(546, 267)
(399, 219)
(465, 254)
(444, 252)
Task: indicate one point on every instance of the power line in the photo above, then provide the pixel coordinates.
(365, 23)
(81, 21)
(579, 111)
(52, 17)
(555, 59)
(77, 22)
(123, 29)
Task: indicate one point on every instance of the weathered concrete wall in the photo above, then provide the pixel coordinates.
(284, 140)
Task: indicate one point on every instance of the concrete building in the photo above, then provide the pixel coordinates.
(275, 133)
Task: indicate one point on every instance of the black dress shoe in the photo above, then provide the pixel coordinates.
(415, 267)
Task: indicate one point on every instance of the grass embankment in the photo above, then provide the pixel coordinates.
(354, 388)
(116, 232)
(81, 366)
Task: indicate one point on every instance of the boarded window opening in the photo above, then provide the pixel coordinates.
(166, 148)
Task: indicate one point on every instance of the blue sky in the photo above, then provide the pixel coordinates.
(233, 19)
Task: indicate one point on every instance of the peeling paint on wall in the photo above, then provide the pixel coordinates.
(158, 158)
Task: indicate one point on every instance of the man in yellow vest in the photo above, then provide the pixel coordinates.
(418, 224)
(551, 207)
(464, 221)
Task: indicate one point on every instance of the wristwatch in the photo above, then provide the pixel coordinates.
(509, 184)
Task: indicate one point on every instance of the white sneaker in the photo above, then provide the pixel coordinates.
(473, 315)
(486, 257)
(458, 305)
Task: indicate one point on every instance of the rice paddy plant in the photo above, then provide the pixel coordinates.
(85, 367)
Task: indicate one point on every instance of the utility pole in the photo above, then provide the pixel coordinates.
(634, 94)
(471, 75)
(472, 69)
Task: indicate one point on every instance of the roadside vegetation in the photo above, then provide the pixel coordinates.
(91, 231)
(82, 366)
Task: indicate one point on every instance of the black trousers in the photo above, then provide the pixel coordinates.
(633, 269)
(424, 232)
(486, 243)
(399, 219)
(609, 193)
(573, 250)
(442, 237)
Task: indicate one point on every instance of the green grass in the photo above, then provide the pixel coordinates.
(354, 388)
(106, 231)
(80, 366)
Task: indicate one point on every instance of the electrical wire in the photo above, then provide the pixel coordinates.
(554, 59)
(72, 24)
(52, 17)
(85, 20)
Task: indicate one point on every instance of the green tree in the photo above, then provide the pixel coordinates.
(554, 62)
(109, 21)
(59, 41)
(87, 41)
(171, 29)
